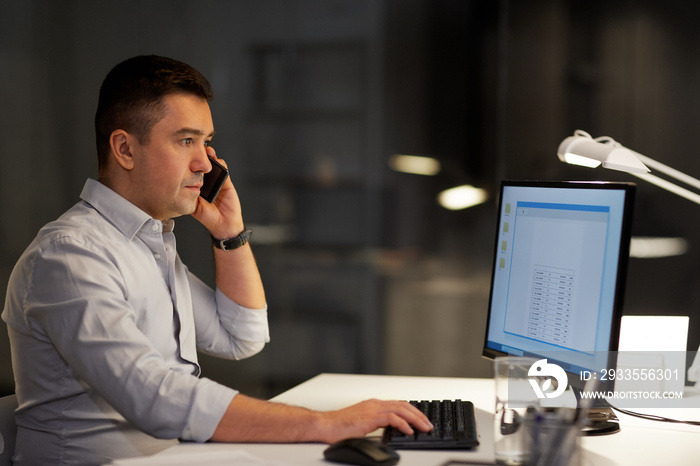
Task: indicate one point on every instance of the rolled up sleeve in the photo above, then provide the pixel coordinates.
(204, 417)
(225, 328)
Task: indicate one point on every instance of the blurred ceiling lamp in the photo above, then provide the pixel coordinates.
(415, 165)
(462, 197)
(582, 149)
(653, 248)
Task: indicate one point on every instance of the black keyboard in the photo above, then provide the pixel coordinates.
(454, 422)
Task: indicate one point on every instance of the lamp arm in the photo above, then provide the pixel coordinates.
(672, 172)
(668, 186)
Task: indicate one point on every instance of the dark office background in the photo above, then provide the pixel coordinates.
(364, 271)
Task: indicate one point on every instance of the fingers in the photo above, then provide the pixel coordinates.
(402, 415)
(412, 416)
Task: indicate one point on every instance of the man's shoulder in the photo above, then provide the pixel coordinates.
(80, 224)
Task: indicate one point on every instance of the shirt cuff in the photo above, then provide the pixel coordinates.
(211, 400)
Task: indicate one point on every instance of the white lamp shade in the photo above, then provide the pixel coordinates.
(582, 150)
(625, 160)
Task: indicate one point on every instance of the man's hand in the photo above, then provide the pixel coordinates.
(365, 417)
(251, 420)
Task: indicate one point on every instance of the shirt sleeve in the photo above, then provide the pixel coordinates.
(77, 300)
(225, 328)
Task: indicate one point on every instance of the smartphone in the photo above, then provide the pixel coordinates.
(213, 181)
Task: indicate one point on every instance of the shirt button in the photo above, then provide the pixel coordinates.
(157, 256)
(155, 227)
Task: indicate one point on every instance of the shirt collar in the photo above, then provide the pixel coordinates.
(124, 215)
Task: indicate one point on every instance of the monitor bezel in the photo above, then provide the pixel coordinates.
(621, 277)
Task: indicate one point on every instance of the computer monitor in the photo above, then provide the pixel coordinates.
(559, 270)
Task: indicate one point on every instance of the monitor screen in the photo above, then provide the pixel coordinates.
(559, 272)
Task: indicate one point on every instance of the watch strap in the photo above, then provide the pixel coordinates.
(232, 243)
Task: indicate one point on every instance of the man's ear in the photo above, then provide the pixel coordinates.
(121, 143)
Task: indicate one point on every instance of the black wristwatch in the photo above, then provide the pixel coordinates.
(232, 243)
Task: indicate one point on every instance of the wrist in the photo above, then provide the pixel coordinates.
(318, 427)
(225, 230)
(234, 242)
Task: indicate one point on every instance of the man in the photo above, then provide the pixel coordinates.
(105, 320)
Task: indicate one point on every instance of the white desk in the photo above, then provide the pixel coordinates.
(639, 442)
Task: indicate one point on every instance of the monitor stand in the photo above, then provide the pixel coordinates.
(601, 418)
(602, 421)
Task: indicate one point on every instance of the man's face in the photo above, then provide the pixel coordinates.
(168, 169)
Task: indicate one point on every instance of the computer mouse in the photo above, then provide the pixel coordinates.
(362, 451)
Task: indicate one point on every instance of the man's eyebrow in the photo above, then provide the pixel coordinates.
(193, 132)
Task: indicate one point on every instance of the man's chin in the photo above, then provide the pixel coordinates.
(192, 207)
(186, 208)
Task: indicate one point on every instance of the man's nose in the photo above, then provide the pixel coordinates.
(202, 163)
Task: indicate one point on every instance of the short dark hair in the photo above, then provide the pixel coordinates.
(131, 96)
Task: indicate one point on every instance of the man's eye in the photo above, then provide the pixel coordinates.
(187, 141)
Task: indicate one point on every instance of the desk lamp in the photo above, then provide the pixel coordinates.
(582, 149)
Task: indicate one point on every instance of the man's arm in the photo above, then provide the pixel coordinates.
(248, 419)
(237, 274)
(251, 420)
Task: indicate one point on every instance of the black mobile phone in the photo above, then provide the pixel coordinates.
(213, 181)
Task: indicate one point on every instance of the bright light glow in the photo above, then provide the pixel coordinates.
(415, 165)
(581, 160)
(652, 248)
(462, 197)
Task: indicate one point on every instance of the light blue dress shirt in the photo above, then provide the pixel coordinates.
(105, 322)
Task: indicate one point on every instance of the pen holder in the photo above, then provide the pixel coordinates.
(553, 435)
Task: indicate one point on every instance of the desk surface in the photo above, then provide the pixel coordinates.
(639, 442)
